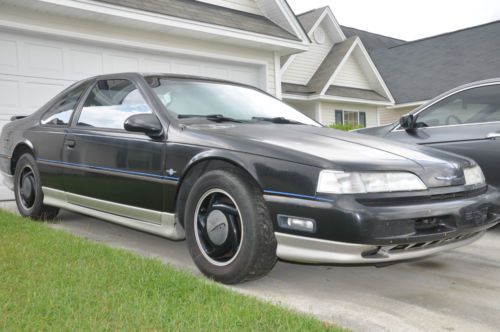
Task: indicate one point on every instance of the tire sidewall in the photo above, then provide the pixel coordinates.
(35, 210)
(244, 197)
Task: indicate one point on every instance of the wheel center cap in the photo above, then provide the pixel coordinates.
(217, 227)
(27, 188)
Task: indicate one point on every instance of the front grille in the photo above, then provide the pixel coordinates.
(430, 244)
(392, 201)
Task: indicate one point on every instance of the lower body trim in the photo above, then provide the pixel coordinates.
(317, 251)
(156, 222)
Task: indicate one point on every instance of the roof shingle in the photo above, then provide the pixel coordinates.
(207, 13)
(422, 69)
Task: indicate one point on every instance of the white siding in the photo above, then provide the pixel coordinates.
(305, 64)
(388, 115)
(272, 10)
(308, 108)
(249, 6)
(351, 75)
(328, 112)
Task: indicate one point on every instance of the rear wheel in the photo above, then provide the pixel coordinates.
(228, 229)
(28, 190)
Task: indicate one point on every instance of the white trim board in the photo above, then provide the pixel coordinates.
(358, 44)
(175, 22)
(318, 97)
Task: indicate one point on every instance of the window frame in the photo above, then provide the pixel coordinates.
(62, 95)
(358, 113)
(416, 112)
(93, 83)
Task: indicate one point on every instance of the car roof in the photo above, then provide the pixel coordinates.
(457, 89)
(168, 75)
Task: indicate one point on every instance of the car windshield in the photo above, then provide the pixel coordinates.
(223, 102)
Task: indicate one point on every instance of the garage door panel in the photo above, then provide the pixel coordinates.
(186, 68)
(219, 72)
(244, 76)
(9, 94)
(158, 66)
(85, 63)
(120, 63)
(38, 93)
(43, 59)
(8, 55)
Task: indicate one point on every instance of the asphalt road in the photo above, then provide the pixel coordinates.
(455, 291)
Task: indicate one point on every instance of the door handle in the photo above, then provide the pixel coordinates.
(70, 143)
(493, 135)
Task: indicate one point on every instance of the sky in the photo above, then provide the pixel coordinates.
(407, 20)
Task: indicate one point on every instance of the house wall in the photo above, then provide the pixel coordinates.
(351, 75)
(305, 64)
(249, 6)
(308, 108)
(388, 115)
(327, 116)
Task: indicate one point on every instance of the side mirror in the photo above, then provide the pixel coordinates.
(408, 122)
(144, 123)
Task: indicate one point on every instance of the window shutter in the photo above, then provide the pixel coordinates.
(338, 117)
(362, 119)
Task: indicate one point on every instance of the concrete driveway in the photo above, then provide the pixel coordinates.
(455, 291)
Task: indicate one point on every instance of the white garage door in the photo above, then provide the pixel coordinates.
(35, 68)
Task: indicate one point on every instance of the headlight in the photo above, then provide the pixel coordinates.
(473, 175)
(338, 182)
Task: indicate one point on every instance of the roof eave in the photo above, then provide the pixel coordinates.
(318, 97)
(188, 27)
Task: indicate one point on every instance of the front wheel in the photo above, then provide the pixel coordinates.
(28, 191)
(228, 229)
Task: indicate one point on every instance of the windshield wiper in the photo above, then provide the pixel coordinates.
(211, 117)
(278, 119)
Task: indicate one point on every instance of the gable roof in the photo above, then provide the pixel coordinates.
(330, 64)
(309, 18)
(422, 69)
(321, 83)
(208, 13)
(372, 41)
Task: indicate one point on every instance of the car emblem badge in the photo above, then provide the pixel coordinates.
(171, 172)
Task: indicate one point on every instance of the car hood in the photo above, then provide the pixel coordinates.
(333, 149)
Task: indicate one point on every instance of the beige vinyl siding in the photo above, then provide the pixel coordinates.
(388, 115)
(308, 108)
(249, 6)
(351, 75)
(328, 112)
(305, 64)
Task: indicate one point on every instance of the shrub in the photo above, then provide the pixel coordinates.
(344, 127)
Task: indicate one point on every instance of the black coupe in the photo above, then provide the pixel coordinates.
(244, 177)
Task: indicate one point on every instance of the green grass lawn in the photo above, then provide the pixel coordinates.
(51, 280)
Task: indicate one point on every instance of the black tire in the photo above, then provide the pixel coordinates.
(28, 191)
(255, 254)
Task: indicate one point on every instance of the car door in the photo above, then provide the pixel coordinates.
(466, 122)
(49, 135)
(108, 168)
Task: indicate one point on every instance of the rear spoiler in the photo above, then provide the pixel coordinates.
(17, 117)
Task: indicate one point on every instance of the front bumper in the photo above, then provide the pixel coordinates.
(350, 230)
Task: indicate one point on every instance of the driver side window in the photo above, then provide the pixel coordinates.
(476, 105)
(110, 103)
